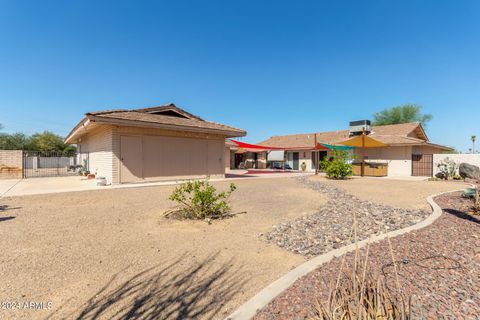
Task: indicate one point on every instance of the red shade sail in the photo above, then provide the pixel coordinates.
(256, 147)
(321, 147)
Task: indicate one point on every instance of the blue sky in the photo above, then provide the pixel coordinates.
(269, 67)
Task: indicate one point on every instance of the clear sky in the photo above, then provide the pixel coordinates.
(269, 67)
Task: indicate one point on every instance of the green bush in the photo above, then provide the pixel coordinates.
(200, 200)
(337, 166)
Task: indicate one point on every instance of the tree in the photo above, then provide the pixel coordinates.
(473, 138)
(44, 142)
(16, 141)
(401, 114)
(47, 141)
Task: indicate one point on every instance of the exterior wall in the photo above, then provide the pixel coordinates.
(305, 156)
(232, 159)
(399, 159)
(262, 160)
(228, 159)
(215, 140)
(98, 144)
(469, 158)
(11, 164)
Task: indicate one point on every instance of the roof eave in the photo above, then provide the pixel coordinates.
(439, 146)
(76, 130)
(146, 124)
(423, 131)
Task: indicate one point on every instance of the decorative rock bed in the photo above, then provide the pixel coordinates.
(438, 266)
(331, 226)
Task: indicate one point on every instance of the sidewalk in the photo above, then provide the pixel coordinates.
(46, 185)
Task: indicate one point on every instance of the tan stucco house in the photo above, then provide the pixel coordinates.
(151, 144)
(409, 151)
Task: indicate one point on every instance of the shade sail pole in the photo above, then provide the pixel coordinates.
(363, 152)
(315, 155)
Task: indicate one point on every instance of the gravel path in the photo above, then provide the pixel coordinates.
(439, 265)
(330, 227)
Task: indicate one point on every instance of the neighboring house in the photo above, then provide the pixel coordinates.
(151, 144)
(409, 150)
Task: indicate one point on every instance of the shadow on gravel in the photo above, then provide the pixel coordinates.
(4, 207)
(462, 215)
(170, 291)
(6, 218)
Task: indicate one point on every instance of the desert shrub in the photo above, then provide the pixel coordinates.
(200, 200)
(359, 295)
(447, 168)
(362, 298)
(476, 201)
(338, 166)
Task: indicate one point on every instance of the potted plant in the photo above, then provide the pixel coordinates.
(303, 166)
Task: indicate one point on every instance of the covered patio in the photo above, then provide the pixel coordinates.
(284, 158)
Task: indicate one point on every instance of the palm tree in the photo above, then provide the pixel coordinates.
(473, 138)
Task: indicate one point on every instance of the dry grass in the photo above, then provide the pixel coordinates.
(360, 295)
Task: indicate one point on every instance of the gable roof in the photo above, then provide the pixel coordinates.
(168, 117)
(171, 110)
(394, 134)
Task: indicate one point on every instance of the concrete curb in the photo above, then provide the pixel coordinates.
(261, 299)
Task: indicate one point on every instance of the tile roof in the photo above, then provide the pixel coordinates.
(168, 116)
(395, 134)
(148, 118)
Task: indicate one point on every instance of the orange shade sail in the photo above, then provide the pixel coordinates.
(367, 142)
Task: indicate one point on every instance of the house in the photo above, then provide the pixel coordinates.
(151, 144)
(409, 151)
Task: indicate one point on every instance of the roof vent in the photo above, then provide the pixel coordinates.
(357, 127)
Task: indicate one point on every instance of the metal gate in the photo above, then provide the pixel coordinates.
(49, 164)
(422, 165)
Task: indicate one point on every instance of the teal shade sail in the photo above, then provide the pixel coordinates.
(332, 147)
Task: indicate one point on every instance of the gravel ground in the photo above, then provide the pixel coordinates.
(408, 194)
(112, 253)
(331, 226)
(439, 265)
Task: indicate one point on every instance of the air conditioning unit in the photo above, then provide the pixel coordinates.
(357, 127)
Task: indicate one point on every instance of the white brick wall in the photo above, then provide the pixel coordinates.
(11, 164)
(99, 145)
(457, 157)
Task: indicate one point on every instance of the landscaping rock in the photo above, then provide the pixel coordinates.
(440, 175)
(437, 266)
(469, 171)
(331, 226)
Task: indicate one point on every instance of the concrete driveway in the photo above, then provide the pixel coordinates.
(22, 187)
(46, 185)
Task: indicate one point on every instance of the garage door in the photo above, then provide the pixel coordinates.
(181, 157)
